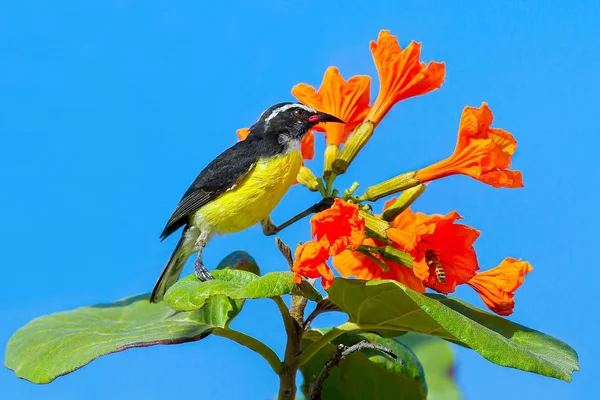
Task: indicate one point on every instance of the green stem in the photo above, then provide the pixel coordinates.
(329, 184)
(321, 187)
(294, 330)
(324, 340)
(376, 260)
(288, 323)
(350, 191)
(253, 344)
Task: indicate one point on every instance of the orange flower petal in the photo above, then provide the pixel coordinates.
(481, 152)
(405, 240)
(311, 262)
(338, 227)
(497, 285)
(307, 147)
(347, 100)
(439, 243)
(401, 74)
(352, 263)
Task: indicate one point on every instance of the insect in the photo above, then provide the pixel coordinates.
(433, 261)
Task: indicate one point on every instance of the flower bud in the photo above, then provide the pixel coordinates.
(391, 186)
(355, 143)
(403, 202)
(332, 151)
(307, 178)
(389, 253)
(375, 225)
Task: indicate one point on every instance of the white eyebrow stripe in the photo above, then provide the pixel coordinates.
(287, 107)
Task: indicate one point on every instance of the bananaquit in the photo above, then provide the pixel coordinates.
(240, 187)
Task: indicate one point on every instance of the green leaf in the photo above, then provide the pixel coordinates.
(389, 305)
(437, 360)
(191, 294)
(368, 374)
(57, 344)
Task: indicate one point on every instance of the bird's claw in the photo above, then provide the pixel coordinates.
(201, 271)
(269, 229)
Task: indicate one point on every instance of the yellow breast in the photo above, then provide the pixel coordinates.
(252, 199)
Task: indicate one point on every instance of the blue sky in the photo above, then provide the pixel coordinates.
(108, 110)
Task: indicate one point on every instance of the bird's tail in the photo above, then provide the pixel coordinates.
(172, 270)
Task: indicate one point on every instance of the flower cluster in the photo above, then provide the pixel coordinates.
(335, 230)
(421, 251)
(443, 258)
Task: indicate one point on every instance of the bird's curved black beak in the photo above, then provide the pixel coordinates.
(323, 117)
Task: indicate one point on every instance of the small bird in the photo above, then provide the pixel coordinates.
(240, 187)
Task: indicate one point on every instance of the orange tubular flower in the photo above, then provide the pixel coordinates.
(352, 263)
(481, 152)
(338, 227)
(401, 74)
(311, 262)
(497, 286)
(443, 251)
(347, 100)
(307, 147)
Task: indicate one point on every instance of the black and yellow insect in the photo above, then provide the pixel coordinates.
(433, 262)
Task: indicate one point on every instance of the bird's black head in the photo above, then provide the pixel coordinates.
(291, 119)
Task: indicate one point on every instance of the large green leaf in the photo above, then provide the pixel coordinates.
(57, 344)
(191, 294)
(368, 374)
(437, 360)
(389, 305)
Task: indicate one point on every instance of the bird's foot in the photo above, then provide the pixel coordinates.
(268, 227)
(201, 271)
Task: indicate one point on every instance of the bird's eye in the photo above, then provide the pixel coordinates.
(299, 113)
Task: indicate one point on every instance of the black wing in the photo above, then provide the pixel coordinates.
(223, 173)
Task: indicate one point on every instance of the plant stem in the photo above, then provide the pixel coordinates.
(329, 184)
(294, 330)
(350, 191)
(321, 187)
(311, 350)
(288, 321)
(253, 344)
(323, 306)
(376, 261)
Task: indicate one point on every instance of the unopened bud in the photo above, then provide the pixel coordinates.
(357, 140)
(391, 186)
(331, 153)
(403, 202)
(398, 256)
(389, 253)
(375, 225)
(307, 178)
